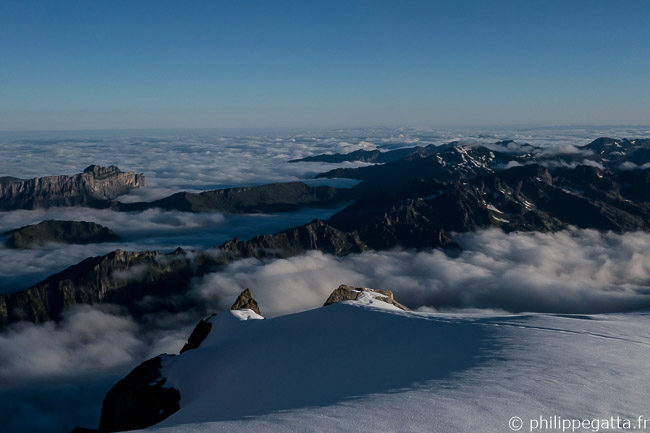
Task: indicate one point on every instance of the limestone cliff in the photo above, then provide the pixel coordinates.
(93, 185)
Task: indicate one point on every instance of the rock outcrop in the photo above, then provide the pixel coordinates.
(200, 332)
(68, 232)
(245, 301)
(94, 185)
(350, 293)
(139, 400)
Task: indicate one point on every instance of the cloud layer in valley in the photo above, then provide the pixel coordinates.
(566, 272)
(153, 229)
(54, 377)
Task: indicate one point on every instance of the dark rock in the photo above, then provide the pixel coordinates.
(388, 223)
(139, 400)
(349, 293)
(200, 332)
(69, 232)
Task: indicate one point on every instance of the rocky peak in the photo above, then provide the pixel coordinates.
(601, 144)
(245, 301)
(350, 293)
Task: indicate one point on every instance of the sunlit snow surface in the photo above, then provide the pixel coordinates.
(356, 368)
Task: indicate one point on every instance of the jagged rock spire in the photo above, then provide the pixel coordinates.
(245, 301)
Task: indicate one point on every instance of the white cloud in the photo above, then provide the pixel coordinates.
(88, 339)
(54, 377)
(570, 271)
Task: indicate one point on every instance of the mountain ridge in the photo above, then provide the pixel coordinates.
(94, 184)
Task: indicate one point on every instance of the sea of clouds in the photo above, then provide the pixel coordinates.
(53, 376)
(201, 160)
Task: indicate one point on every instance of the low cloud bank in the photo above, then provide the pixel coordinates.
(53, 377)
(567, 272)
(87, 340)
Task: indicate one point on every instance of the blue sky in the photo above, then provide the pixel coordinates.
(213, 64)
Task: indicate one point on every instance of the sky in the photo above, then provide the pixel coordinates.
(291, 64)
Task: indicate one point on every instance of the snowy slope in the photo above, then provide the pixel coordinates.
(365, 366)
